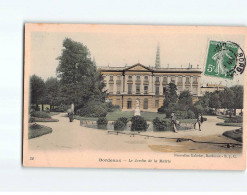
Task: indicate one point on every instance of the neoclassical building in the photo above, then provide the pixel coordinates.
(127, 84)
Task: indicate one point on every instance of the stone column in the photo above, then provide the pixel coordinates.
(191, 81)
(142, 86)
(126, 85)
(183, 81)
(168, 79)
(150, 85)
(176, 79)
(199, 86)
(161, 86)
(114, 84)
(107, 82)
(134, 84)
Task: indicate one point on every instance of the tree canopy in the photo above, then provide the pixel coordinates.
(80, 80)
(37, 89)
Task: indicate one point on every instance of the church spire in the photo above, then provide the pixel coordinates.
(157, 60)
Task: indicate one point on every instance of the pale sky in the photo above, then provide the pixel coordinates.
(118, 49)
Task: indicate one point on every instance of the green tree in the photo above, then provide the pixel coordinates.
(80, 80)
(185, 100)
(204, 101)
(170, 101)
(227, 99)
(52, 96)
(37, 90)
(238, 97)
(170, 95)
(214, 100)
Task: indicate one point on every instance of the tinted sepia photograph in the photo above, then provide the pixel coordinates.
(134, 96)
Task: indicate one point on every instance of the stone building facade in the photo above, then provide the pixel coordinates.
(125, 85)
(211, 88)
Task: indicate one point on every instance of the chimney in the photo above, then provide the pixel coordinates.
(197, 66)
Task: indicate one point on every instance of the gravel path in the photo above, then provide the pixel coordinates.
(72, 136)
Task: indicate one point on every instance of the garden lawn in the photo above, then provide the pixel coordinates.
(230, 124)
(149, 116)
(36, 130)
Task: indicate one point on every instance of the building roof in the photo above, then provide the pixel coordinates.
(148, 68)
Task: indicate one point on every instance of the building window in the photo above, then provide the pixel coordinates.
(146, 78)
(111, 78)
(194, 90)
(130, 77)
(129, 103)
(119, 78)
(157, 79)
(145, 89)
(165, 79)
(118, 89)
(164, 90)
(145, 104)
(129, 88)
(180, 88)
(173, 80)
(157, 90)
(138, 78)
(180, 79)
(187, 79)
(137, 89)
(156, 103)
(194, 79)
(187, 88)
(110, 88)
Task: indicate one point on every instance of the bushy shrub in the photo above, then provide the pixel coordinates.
(119, 125)
(92, 110)
(40, 114)
(190, 114)
(211, 111)
(124, 120)
(60, 108)
(110, 107)
(102, 121)
(181, 114)
(161, 125)
(236, 119)
(138, 123)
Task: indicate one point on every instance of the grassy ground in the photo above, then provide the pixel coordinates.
(149, 116)
(230, 124)
(54, 113)
(36, 130)
(41, 116)
(230, 121)
(36, 119)
(235, 134)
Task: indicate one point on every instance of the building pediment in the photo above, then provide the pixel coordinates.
(138, 67)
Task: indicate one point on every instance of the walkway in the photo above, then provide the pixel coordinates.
(72, 136)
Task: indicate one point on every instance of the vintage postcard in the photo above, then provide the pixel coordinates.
(134, 96)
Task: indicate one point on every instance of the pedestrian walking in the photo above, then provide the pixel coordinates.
(199, 120)
(174, 122)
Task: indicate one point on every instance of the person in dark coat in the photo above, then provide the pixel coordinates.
(174, 122)
(71, 116)
(199, 120)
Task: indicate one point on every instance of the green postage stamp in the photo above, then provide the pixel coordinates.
(221, 59)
